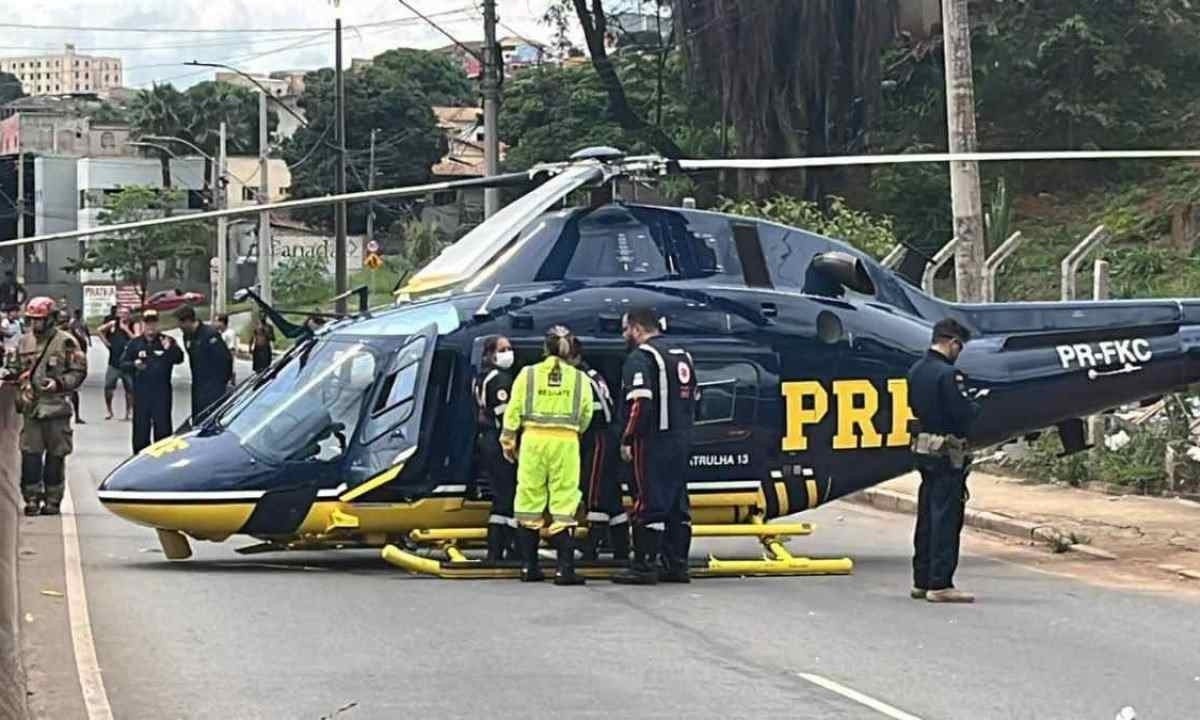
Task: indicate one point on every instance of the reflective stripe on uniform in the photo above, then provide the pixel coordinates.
(639, 394)
(597, 517)
(664, 403)
(621, 519)
(499, 520)
(501, 408)
(659, 526)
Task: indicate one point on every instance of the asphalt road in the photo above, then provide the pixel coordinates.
(302, 635)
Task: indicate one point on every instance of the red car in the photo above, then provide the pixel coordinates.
(166, 300)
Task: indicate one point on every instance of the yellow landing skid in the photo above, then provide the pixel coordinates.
(776, 560)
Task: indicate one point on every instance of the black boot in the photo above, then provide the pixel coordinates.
(32, 486)
(55, 481)
(527, 541)
(618, 536)
(508, 543)
(676, 548)
(644, 569)
(564, 545)
(495, 542)
(597, 538)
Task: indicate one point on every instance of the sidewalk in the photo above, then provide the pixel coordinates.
(1156, 532)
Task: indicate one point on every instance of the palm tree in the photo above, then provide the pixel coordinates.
(161, 110)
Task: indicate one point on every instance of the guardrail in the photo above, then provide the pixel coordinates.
(12, 675)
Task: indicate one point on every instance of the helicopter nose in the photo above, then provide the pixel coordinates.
(202, 486)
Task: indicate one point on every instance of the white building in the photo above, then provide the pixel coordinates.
(69, 194)
(64, 73)
(242, 189)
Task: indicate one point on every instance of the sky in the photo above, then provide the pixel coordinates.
(154, 37)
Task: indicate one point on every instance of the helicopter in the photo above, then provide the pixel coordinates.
(361, 435)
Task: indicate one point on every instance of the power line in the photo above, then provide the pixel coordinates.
(215, 31)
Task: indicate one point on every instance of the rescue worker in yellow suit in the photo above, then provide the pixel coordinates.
(50, 365)
(550, 406)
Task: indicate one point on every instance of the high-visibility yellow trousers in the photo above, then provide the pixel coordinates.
(548, 478)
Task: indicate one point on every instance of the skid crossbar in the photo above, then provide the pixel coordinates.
(776, 560)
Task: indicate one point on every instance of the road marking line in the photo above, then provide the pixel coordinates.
(95, 699)
(876, 705)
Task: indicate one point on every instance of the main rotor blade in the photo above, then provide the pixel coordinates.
(910, 158)
(408, 191)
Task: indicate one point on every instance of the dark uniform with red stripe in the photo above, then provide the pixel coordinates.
(607, 521)
(659, 387)
(492, 391)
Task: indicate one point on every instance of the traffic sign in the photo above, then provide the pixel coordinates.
(373, 261)
(372, 247)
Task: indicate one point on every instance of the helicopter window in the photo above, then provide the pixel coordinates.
(310, 408)
(706, 241)
(721, 387)
(395, 403)
(612, 243)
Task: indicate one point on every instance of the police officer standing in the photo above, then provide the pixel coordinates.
(659, 387)
(607, 522)
(550, 406)
(944, 410)
(50, 366)
(492, 389)
(209, 358)
(150, 358)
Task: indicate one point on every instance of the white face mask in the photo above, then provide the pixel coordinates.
(504, 359)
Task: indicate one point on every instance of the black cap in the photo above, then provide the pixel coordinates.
(150, 314)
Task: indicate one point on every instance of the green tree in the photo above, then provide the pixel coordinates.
(440, 79)
(550, 112)
(208, 104)
(795, 78)
(379, 97)
(138, 255)
(10, 88)
(161, 110)
(301, 278)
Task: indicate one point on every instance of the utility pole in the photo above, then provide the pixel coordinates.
(491, 106)
(222, 227)
(265, 251)
(20, 262)
(971, 253)
(371, 186)
(341, 281)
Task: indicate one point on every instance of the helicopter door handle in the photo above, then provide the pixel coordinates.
(769, 310)
(1125, 370)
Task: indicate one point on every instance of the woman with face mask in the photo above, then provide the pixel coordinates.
(492, 388)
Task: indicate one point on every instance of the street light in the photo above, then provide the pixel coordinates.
(265, 248)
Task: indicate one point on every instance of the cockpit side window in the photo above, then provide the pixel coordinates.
(394, 402)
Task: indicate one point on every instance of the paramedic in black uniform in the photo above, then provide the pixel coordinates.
(608, 525)
(659, 390)
(492, 388)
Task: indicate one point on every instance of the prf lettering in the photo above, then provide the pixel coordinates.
(856, 402)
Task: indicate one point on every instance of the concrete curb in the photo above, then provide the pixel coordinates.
(1181, 571)
(894, 501)
(12, 673)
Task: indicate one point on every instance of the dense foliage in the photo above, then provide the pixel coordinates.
(387, 96)
(10, 88)
(195, 115)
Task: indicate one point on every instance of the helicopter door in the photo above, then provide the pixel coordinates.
(390, 432)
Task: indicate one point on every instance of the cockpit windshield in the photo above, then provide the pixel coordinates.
(311, 407)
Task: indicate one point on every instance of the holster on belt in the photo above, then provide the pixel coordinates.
(950, 447)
